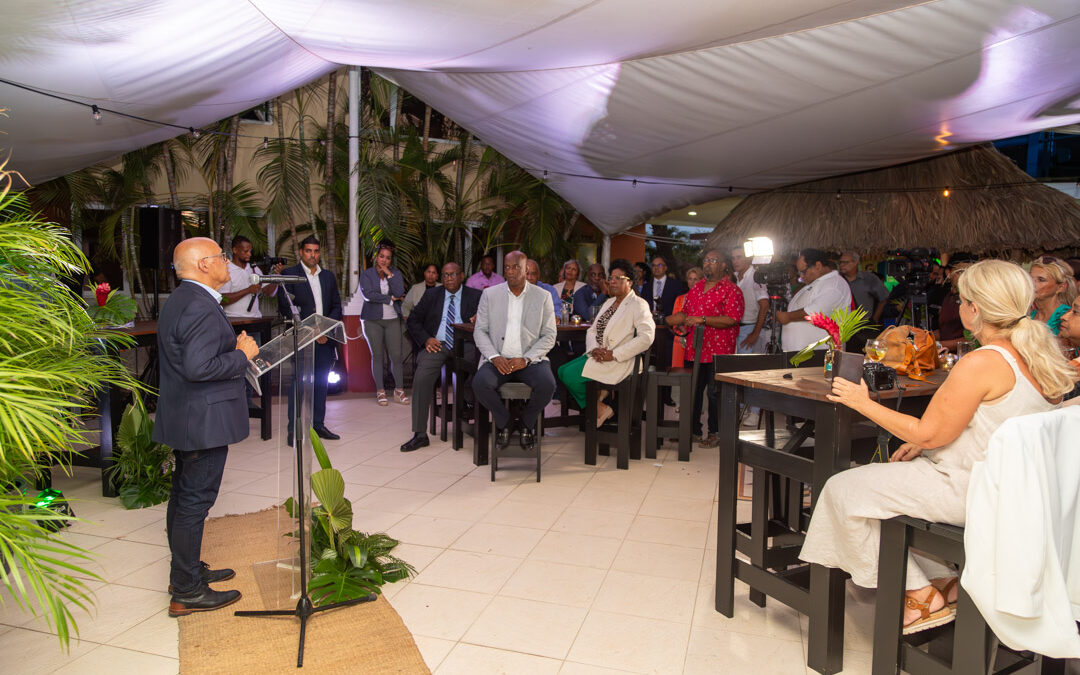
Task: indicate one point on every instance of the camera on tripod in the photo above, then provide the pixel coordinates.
(912, 267)
(775, 276)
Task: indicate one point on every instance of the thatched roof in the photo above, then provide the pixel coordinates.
(992, 206)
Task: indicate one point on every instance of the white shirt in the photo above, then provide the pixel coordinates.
(511, 347)
(239, 279)
(658, 287)
(316, 287)
(752, 293)
(822, 295)
(388, 309)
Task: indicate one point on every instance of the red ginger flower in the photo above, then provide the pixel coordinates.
(828, 325)
(102, 293)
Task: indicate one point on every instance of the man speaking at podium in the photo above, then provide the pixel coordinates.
(201, 410)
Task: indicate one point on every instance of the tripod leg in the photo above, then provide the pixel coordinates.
(300, 650)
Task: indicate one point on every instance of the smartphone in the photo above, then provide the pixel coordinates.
(849, 366)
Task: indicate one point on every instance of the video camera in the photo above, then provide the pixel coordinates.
(912, 267)
(776, 278)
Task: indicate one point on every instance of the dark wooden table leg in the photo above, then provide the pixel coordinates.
(725, 526)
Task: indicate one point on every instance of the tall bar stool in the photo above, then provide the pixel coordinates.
(516, 391)
(966, 645)
(626, 436)
(656, 427)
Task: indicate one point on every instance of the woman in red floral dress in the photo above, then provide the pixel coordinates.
(717, 303)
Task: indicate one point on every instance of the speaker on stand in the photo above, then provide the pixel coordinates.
(159, 233)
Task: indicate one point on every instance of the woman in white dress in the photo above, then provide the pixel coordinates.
(1019, 370)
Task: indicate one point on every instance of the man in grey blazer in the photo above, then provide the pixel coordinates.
(202, 408)
(515, 329)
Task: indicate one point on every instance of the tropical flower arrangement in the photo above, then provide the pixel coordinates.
(113, 308)
(840, 326)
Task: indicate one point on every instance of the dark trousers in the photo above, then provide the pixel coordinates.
(425, 376)
(704, 394)
(538, 376)
(195, 484)
(324, 358)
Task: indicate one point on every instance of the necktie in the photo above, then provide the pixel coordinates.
(448, 320)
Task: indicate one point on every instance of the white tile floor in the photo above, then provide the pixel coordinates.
(591, 571)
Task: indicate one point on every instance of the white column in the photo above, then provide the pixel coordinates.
(605, 251)
(354, 178)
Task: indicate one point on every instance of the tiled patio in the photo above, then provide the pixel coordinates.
(591, 571)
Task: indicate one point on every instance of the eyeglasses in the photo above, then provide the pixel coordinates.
(616, 278)
(711, 260)
(846, 262)
(659, 265)
(223, 255)
(450, 275)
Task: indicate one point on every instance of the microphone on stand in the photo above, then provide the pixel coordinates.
(275, 279)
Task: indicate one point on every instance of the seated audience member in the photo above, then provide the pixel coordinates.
(825, 291)
(717, 304)
(592, 294)
(950, 328)
(570, 283)
(485, 277)
(623, 329)
(532, 275)
(1054, 291)
(416, 291)
(1070, 335)
(642, 274)
(1019, 370)
(693, 276)
(515, 329)
(431, 326)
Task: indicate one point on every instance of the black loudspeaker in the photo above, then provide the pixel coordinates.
(159, 233)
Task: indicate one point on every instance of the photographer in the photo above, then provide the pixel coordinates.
(825, 291)
(869, 293)
(238, 295)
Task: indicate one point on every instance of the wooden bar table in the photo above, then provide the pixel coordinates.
(463, 332)
(812, 590)
(145, 335)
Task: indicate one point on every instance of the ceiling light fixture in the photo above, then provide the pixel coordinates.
(95, 112)
(691, 213)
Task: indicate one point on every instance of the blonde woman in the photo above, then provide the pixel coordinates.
(1055, 290)
(1019, 370)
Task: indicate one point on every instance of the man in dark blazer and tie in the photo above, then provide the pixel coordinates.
(202, 408)
(327, 302)
(430, 327)
(660, 292)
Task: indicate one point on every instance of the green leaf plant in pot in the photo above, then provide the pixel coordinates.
(346, 564)
(143, 470)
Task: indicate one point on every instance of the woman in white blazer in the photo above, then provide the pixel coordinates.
(624, 328)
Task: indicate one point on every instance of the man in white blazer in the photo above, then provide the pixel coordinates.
(515, 329)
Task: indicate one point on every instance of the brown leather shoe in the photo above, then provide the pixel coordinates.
(203, 599)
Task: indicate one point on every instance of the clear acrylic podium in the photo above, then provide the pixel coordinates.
(283, 580)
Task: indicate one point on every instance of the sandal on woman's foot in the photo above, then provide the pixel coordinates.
(603, 414)
(946, 589)
(400, 397)
(927, 619)
(380, 398)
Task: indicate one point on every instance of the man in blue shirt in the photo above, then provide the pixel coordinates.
(591, 295)
(431, 326)
(532, 275)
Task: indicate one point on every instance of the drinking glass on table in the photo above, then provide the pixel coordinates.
(875, 349)
(963, 347)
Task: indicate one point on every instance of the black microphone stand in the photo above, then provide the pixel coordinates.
(304, 607)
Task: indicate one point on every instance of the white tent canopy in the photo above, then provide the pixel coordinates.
(687, 98)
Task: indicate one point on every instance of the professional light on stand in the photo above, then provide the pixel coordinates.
(774, 276)
(759, 250)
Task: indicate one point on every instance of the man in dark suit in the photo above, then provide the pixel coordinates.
(430, 327)
(660, 293)
(318, 296)
(201, 410)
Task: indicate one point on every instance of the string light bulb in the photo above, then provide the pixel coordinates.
(95, 112)
(634, 185)
(838, 194)
(194, 132)
(266, 142)
(945, 193)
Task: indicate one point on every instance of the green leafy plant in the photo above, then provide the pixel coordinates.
(117, 309)
(53, 358)
(346, 564)
(143, 469)
(839, 327)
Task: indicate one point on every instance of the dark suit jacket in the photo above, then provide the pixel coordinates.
(201, 401)
(673, 288)
(305, 301)
(425, 318)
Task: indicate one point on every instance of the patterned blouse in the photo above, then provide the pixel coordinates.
(602, 322)
(723, 299)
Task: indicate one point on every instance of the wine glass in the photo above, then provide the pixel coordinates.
(875, 349)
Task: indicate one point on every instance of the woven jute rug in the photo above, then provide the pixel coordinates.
(365, 638)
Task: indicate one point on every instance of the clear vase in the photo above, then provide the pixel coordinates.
(830, 356)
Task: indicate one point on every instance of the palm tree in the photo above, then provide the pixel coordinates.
(50, 367)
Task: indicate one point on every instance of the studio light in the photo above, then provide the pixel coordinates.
(759, 249)
(336, 380)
